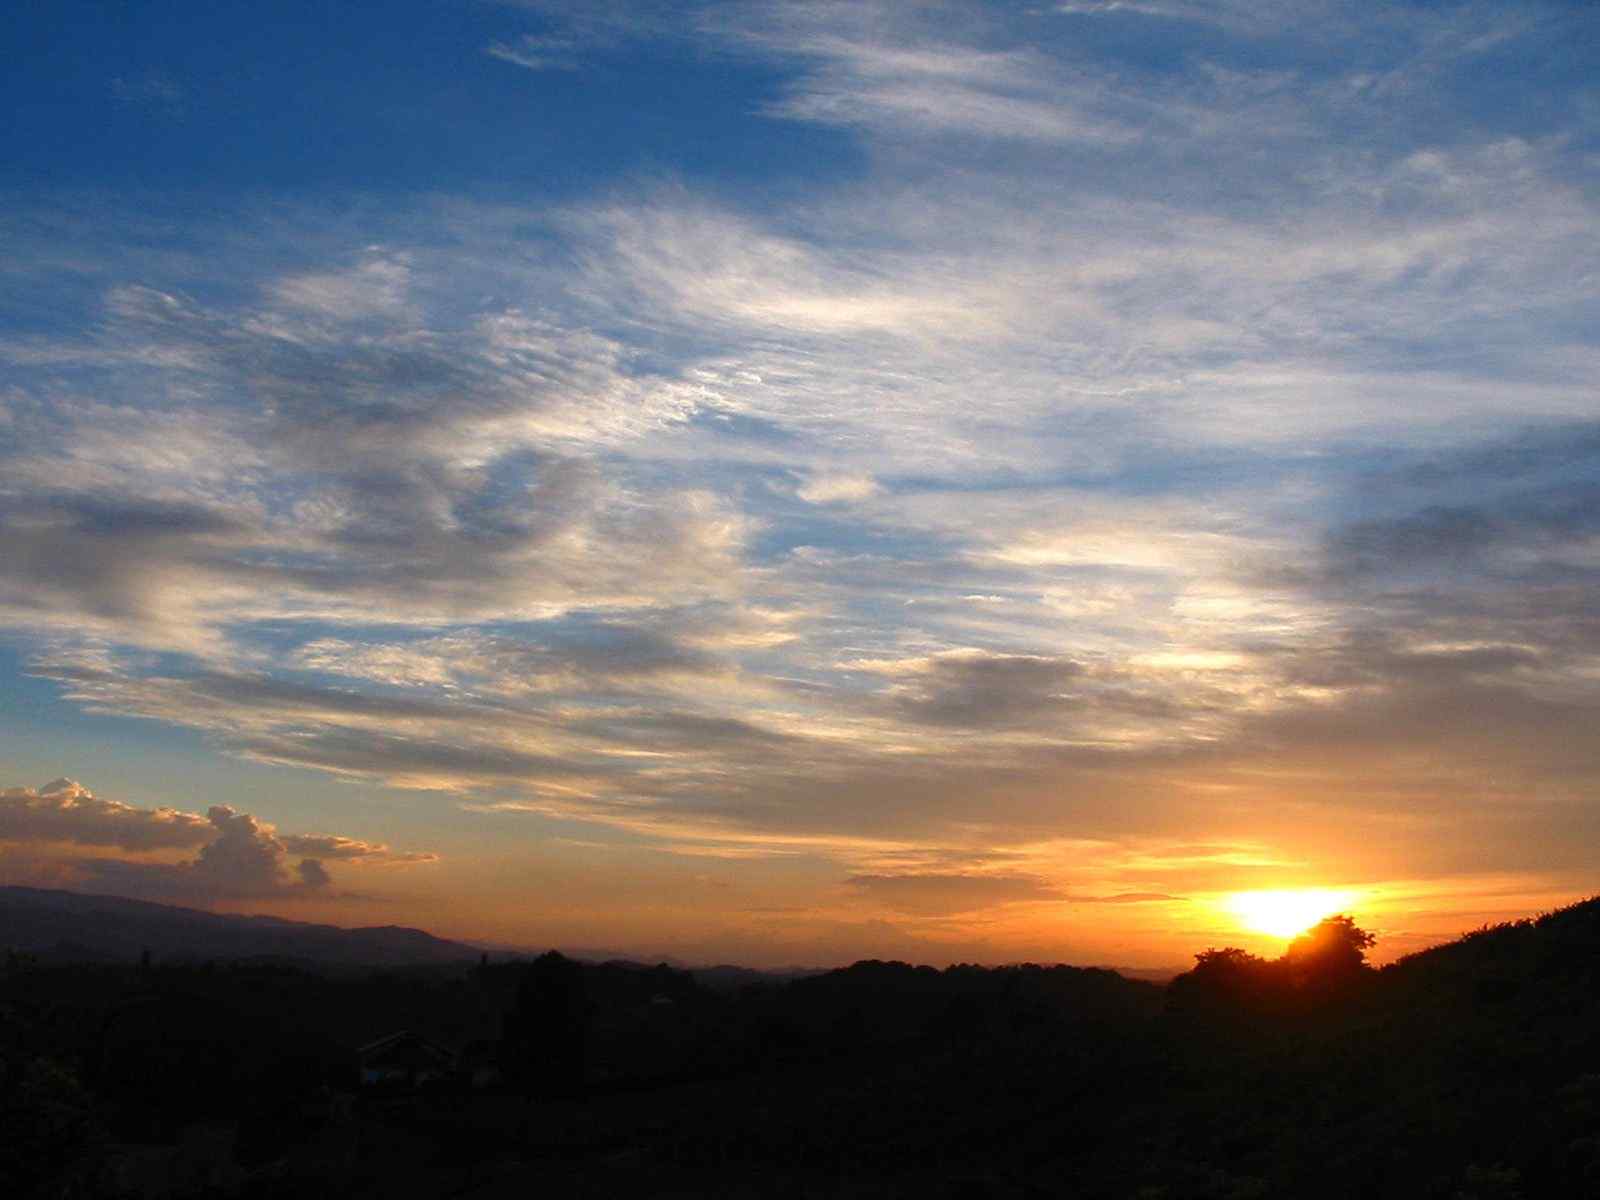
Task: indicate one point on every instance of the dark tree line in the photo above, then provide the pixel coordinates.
(1468, 1072)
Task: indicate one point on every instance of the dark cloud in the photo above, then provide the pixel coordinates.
(613, 649)
(119, 560)
(241, 703)
(313, 874)
(1370, 657)
(1455, 536)
(423, 760)
(603, 656)
(1531, 526)
(680, 730)
(981, 690)
(266, 694)
(1055, 696)
(244, 860)
(1537, 451)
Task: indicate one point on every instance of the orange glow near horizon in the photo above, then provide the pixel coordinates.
(1289, 912)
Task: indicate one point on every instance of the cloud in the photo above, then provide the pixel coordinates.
(85, 553)
(606, 654)
(1557, 524)
(313, 874)
(973, 688)
(1049, 469)
(374, 288)
(342, 849)
(244, 860)
(940, 91)
(65, 811)
(895, 70)
(538, 53)
(1056, 697)
(836, 489)
(237, 856)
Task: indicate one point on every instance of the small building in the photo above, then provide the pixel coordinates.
(403, 1059)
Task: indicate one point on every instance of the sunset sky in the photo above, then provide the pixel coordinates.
(794, 482)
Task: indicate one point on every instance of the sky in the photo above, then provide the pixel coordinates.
(786, 483)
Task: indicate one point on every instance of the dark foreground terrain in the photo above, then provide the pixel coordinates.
(1468, 1072)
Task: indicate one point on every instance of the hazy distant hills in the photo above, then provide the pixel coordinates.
(60, 926)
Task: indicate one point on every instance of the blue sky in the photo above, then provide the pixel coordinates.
(794, 481)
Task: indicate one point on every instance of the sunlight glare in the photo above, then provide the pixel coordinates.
(1287, 913)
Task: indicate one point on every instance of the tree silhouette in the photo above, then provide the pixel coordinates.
(545, 1035)
(1223, 982)
(1322, 963)
(1334, 948)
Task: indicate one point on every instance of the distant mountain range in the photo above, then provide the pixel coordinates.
(60, 926)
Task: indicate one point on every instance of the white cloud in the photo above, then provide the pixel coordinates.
(538, 53)
(836, 489)
(374, 288)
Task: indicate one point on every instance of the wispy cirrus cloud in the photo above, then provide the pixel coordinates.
(1170, 417)
(538, 53)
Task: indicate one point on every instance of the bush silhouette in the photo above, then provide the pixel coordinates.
(1323, 962)
(1334, 948)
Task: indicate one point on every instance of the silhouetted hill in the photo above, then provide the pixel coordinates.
(727, 978)
(1558, 949)
(1467, 1072)
(896, 999)
(61, 926)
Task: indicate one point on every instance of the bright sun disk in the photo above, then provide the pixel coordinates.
(1289, 912)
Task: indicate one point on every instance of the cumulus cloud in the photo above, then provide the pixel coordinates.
(66, 811)
(312, 874)
(237, 855)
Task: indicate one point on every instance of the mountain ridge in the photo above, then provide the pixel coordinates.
(58, 924)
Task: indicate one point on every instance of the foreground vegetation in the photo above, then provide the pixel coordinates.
(1468, 1072)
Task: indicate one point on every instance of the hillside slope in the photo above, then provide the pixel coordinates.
(61, 926)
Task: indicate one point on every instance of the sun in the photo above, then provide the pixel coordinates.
(1286, 913)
